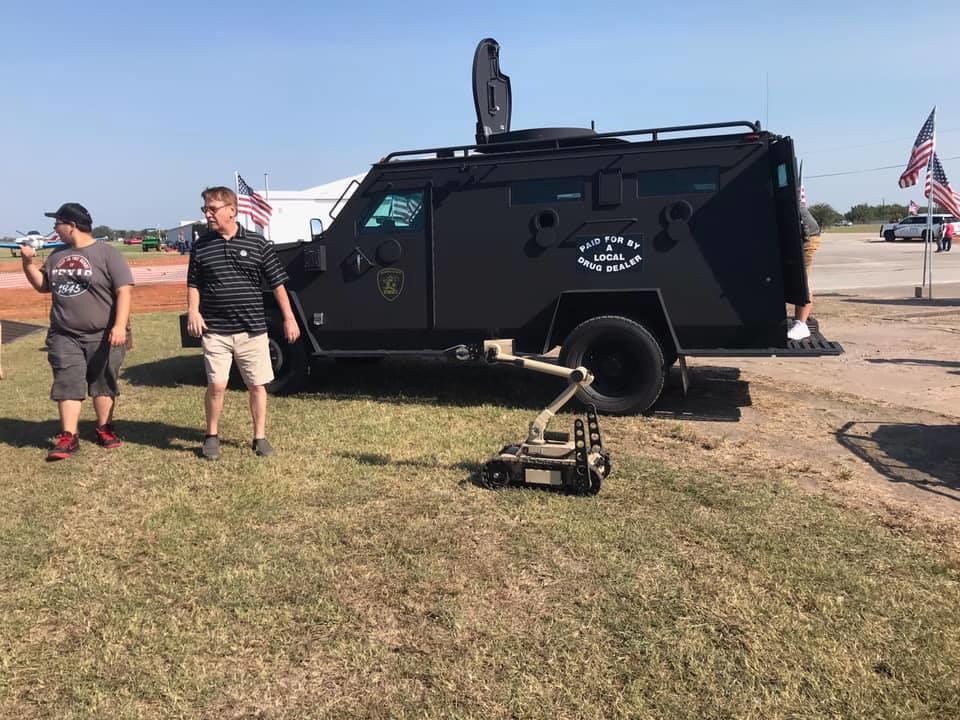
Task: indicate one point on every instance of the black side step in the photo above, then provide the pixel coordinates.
(814, 346)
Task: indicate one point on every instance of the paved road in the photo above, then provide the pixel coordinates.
(847, 261)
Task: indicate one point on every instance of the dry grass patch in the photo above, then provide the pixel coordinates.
(361, 573)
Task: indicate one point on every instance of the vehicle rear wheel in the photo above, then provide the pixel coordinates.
(889, 236)
(626, 360)
(289, 362)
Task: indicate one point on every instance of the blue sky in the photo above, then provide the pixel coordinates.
(132, 111)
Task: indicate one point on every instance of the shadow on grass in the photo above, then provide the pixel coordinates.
(925, 456)
(19, 433)
(918, 361)
(378, 460)
(915, 361)
(716, 393)
(472, 469)
(168, 372)
(908, 302)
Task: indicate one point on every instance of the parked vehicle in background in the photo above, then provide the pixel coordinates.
(151, 240)
(914, 227)
(132, 240)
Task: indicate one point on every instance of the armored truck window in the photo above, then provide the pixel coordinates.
(682, 180)
(397, 211)
(536, 192)
(782, 175)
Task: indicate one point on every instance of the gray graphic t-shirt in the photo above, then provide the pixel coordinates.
(83, 284)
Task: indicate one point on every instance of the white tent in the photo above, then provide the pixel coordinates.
(293, 210)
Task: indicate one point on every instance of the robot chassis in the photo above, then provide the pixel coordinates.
(549, 459)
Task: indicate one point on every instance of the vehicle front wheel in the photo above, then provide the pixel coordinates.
(890, 236)
(626, 360)
(289, 362)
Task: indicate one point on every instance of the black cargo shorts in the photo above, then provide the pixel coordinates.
(81, 366)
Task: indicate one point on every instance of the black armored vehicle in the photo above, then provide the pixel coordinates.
(622, 252)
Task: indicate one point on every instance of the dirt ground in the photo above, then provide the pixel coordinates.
(878, 426)
(25, 305)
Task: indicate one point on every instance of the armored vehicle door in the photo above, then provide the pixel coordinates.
(786, 198)
(381, 265)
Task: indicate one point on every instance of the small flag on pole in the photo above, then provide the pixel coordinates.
(938, 188)
(250, 203)
(920, 154)
(914, 208)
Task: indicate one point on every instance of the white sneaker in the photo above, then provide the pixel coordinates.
(798, 330)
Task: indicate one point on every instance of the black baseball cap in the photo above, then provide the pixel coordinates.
(73, 212)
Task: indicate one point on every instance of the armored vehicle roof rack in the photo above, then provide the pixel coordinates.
(538, 139)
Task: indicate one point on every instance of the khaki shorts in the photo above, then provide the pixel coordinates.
(251, 352)
(809, 250)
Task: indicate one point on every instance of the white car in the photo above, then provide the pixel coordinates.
(914, 227)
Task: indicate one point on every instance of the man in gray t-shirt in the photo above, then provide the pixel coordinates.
(90, 284)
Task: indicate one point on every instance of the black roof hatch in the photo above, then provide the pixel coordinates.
(493, 101)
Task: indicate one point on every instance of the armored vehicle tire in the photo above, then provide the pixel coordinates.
(289, 362)
(626, 360)
(890, 236)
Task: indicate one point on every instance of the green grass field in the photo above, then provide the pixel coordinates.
(868, 228)
(129, 251)
(362, 573)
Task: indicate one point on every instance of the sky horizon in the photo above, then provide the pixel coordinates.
(132, 111)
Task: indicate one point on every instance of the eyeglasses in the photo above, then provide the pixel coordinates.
(211, 210)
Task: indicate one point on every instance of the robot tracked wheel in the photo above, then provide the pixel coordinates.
(549, 459)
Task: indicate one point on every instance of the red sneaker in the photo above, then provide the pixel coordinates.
(107, 438)
(67, 444)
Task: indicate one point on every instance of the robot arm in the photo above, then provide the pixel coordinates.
(501, 351)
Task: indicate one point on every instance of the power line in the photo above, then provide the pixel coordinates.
(866, 170)
(870, 144)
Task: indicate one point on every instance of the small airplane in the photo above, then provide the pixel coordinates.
(35, 240)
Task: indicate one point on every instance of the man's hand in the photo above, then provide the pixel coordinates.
(118, 336)
(291, 331)
(27, 253)
(195, 324)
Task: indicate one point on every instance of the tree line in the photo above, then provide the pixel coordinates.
(863, 213)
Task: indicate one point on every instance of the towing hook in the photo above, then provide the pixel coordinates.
(459, 352)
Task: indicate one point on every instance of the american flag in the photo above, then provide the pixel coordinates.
(250, 203)
(938, 187)
(922, 150)
(405, 207)
(914, 208)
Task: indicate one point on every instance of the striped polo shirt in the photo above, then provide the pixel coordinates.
(231, 275)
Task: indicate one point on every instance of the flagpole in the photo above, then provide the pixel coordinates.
(927, 248)
(266, 196)
(236, 189)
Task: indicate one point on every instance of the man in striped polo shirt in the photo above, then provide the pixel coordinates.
(228, 266)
